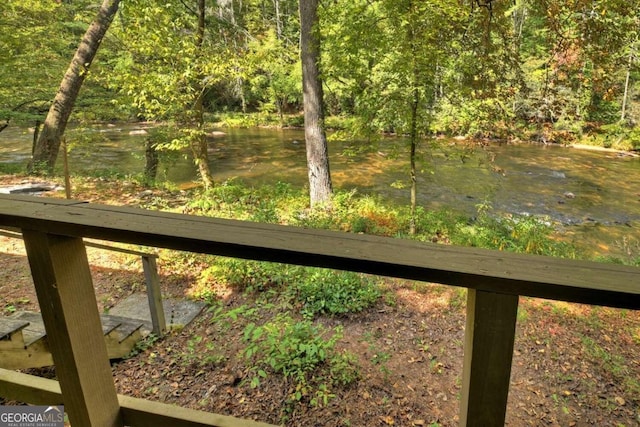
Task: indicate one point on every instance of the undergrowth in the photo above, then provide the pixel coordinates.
(304, 353)
(287, 340)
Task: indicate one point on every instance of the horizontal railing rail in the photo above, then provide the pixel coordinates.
(135, 412)
(53, 228)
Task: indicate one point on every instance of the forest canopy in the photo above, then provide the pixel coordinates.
(545, 70)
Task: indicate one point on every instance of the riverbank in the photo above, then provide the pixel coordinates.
(573, 364)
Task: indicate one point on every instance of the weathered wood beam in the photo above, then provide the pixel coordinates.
(29, 388)
(154, 295)
(495, 271)
(488, 351)
(62, 279)
(135, 412)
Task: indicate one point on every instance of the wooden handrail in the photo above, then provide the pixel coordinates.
(489, 270)
(495, 281)
(135, 412)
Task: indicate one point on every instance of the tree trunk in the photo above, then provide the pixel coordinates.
(199, 146)
(151, 161)
(199, 142)
(46, 150)
(276, 5)
(320, 188)
(623, 111)
(415, 102)
(414, 144)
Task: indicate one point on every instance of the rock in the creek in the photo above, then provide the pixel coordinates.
(138, 132)
(569, 195)
(216, 134)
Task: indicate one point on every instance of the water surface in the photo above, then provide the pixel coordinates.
(593, 195)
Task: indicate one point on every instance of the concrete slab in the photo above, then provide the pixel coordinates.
(34, 188)
(178, 313)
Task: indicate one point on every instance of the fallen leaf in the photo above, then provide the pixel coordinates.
(620, 401)
(387, 420)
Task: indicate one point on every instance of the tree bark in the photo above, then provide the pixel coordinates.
(320, 188)
(46, 150)
(199, 142)
(199, 147)
(151, 161)
(623, 111)
(415, 103)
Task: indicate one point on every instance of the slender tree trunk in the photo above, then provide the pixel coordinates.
(46, 150)
(276, 5)
(36, 134)
(199, 142)
(199, 146)
(414, 144)
(415, 102)
(67, 174)
(320, 188)
(151, 161)
(623, 112)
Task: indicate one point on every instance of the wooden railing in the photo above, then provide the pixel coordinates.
(53, 232)
(151, 279)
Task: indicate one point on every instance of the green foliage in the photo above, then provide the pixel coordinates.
(617, 135)
(301, 352)
(143, 345)
(331, 292)
(531, 70)
(315, 290)
(201, 353)
(253, 276)
(522, 233)
(358, 213)
(233, 199)
(36, 33)
(617, 366)
(275, 75)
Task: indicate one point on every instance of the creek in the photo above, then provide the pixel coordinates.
(593, 196)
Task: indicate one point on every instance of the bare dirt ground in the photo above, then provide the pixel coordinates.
(573, 365)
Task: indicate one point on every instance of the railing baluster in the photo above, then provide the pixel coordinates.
(154, 295)
(62, 279)
(488, 351)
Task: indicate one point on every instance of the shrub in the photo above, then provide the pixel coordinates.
(301, 352)
(323, 291)
(314, 290)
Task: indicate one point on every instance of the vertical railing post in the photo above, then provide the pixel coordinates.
(488, 351)
(62, 279)
(154, 295)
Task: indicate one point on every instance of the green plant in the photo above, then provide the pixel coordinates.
(196, 354)
(514, 233)
(143, 345)
(614, 364)
(331, 292)
(315, 290)
(303, 353)
(224, 319)
(251, 276)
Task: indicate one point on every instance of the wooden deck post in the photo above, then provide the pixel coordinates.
(488, 351)
(154, 295)
(62, 279)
